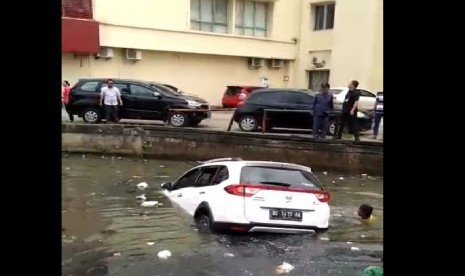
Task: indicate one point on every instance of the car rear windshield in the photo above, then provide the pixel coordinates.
(335, 91)
(285, 177)
(232, 90)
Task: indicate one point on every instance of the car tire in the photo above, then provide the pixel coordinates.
(178, 119)
(248, 123)
(92, 115)
(204, 223)
(331, 128)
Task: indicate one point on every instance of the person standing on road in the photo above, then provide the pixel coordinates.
(349, 112)
(379, 111)
(110, 98)
(65, 99)
(322, 105)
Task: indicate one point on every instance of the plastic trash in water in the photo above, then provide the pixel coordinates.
(164, 254)
(162, 166)
(228, 255)
(117, 254)
(364, 176)
(149, 203)
(142, 185)
(150, 243)
(349, 242)
(324, 238)
(285, 268)
(325, 173)
(341, 178)
(362, 236)
(67, 168)
(353, 248)
(141, 197)
(334, 181)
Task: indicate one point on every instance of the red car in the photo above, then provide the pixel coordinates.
(236, 93)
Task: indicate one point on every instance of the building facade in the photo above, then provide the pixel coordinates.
(201, 46)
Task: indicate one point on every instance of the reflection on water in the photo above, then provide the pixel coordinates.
(105, 231)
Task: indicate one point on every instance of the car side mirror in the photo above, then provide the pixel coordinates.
(156, 94)
(167, 186)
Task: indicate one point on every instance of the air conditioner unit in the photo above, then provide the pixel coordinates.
(276, 63)
(256, 62)
(318, 63)
(105, 53)
(132, 54)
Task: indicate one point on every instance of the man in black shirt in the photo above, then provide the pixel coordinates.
(349, 112)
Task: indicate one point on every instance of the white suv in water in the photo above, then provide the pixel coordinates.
(231, 194)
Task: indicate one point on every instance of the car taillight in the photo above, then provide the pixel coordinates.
(242, 190)
(248, 190)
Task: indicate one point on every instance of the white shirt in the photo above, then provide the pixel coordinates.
(110, 95)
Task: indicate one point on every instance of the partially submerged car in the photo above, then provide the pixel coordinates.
(231, 194)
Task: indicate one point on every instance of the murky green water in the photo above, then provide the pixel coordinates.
(106, 232)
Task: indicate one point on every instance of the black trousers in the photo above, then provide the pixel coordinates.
(71, 116)
(111, 113)
(351, 122)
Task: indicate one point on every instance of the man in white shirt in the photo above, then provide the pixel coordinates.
(110, 98)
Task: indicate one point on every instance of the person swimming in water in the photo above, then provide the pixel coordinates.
(365, 212)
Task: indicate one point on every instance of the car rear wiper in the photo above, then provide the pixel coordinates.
(276, 183)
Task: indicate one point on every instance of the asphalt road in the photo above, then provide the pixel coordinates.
(220, 121)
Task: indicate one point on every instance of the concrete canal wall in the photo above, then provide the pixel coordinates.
(198, 144)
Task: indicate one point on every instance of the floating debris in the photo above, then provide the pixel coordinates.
(142, 185)
(136, 176)
(149, 204)
(141, 197)
(362, 236)
(325, 173)
(334, 181)
(145, 160)
(118, 171)
(164, 254)
(150, 243)
(324, 238)
(285, 268)
(162, 166)
(160, 204)
(341, 178)
(92, 194)
(117, 254)
(228, 255)
(349, 242)
(353, 248)
(103, 157)
(119, 157)
(162, 176)
(364, 176)
(67, 168)
(83, 156)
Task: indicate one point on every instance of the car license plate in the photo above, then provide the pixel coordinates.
(283, 214)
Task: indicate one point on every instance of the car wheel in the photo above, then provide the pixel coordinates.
(178, 119)
(92, 116)
(331, 128)
(248, 123)
(204, 223)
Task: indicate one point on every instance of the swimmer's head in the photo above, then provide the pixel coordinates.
(365, 211)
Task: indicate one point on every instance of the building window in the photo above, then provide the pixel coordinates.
(251, 18)
(317, 78)
(324, 16)
(209, 15)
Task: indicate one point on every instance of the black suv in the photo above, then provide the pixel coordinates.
(249, 115)
(141, 100)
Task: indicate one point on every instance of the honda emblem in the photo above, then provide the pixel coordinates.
(288, 198)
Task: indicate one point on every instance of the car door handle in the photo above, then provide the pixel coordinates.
(201, 193)
(180, 195)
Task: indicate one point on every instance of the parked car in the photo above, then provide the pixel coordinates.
(234, 94)
(178, 91)
(230, 194)
(141, 100)
(365, 103)
(249, 115)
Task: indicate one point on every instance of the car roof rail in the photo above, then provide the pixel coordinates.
(221, 160)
